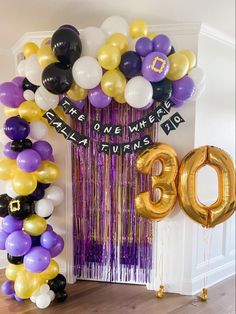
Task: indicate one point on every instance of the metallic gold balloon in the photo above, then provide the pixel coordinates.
(152, 35)
(76, 92)
(109, 57)
(59, 111)
(190, 55)
(45, 56)
(7, 168)
(224, 207)
(113, 83)
(204, 295)
(179, 66)
(165, 181)
(138, 28)
(120, 98)
(29, 49)
(51, 271)
(30, 111)
(118, 40)
(12, 270)
(24, 183)
(160, 293)
(26, 284)
(35, 225)
(48, 172)
(10, 112)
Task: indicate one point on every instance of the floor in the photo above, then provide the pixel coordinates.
(87, 297)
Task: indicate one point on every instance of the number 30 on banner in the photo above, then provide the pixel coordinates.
(207, 216)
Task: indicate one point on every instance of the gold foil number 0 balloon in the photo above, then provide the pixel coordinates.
(165, 182)
(224, 207)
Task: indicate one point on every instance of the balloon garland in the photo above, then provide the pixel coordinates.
(97, 64)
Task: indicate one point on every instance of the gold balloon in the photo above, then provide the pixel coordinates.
(152, 35)
(190, 55)
(109, 57)
(118, 40)
(35, 225)
(76, 92)
(113, 83)
(120, 98)
(24, 183)
(29, 49)
(179, 66)
(30, 111)
(48, 172)
(12, 270)
(138, 28)
(26, 284)
(51, 271)
(224, 207)
(46, 56)
(7, 168)
(59, 111)
(10, 112)
(165, 181)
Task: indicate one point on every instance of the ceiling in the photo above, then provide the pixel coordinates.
(18, 17)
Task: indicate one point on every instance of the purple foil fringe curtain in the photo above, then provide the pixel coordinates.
(111, 243)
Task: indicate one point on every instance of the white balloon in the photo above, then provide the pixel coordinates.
(43, 301)
(138, 92)
(87, 72)
(199, 89)
(115, 24)
(44, 289)
(55, 194)
(34, 296)
(3, 138)
(38, 130)
(46, 100)
(33, 71)
(52, 295)
(21, 67)
(9, 190)
(44, 208)
(197, 75)
(28, 94)
(92, 39)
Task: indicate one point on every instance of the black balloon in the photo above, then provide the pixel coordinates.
(162, 90)
(57, 78)
(28, 85)
(17, 146)
(130, 64)
(27, 143)
(4, 202)
(69, 26)
(171, 51)
(61, 296)
(35, 241)
(66, 45)
(58, 283)
(16, 260)
(38, 194)
(21, 207)
(43, 186)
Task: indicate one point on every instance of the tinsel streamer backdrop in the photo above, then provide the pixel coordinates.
(111, 242)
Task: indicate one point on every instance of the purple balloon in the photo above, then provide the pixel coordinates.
(144, 46)
(48, 239)
(43, 148)
(58, 248)
(155, 66)
(178, 103)
(11, 95)
(162, 43)
(7, 287)
(16, 128)
(97, 98)
(18, 298)
(79, 103)
(10, 224)
(8, 152)
(183, 89)
(3, 237)
(37, 259)
(35, 241)
(49, 228)
(28, 160)
(18, 80)
(18, 243)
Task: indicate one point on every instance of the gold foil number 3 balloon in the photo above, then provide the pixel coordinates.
(224, 207)
(165, 182)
